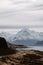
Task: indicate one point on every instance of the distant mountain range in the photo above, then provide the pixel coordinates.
(39, 43)
(26, 34)
(27, 37)
(24, 37)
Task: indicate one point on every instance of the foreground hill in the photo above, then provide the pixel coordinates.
(27, 57)
(5, 49)
(10, 56)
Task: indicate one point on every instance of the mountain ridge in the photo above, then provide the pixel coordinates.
(24, 36)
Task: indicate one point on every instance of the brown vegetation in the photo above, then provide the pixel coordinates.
(30, 57)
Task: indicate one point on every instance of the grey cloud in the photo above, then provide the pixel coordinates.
(22, 4)
(30, 3)
(20, 18)
(29, 15)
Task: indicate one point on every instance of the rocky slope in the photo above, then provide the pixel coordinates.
(10, 56)
(5, 49)
(28, 57)
(3, 43)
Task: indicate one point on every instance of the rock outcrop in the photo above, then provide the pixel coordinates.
(3, 43)
(5, 49)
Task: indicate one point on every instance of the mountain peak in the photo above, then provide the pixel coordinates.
(26, 34)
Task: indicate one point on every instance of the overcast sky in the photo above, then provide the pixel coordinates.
(21, 12)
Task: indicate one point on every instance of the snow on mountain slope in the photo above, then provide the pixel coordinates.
(27, 37)
(6, 35)
(26, 34)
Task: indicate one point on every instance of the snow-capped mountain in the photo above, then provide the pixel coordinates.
(26, 34)
(27, 37)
